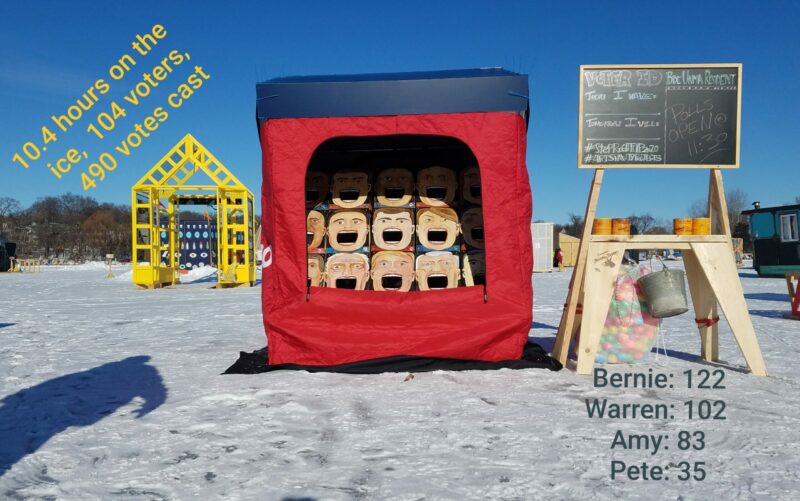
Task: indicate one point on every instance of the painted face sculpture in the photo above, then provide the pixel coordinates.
(474, 269)
(347, 271)
(437, 228)
(392, 229)
(350, 188)
(471, 185)
(437, 270)
(315, 229)
(472, 227)
(347, 230)
(436, 186)
(317, 187)
(316, 275)
(394, 187)
(392, 271)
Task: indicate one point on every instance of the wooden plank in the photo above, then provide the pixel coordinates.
(719, 266)
(602, 267)
(705, 306)
(717, 206)
(566, 326)
(659, 239)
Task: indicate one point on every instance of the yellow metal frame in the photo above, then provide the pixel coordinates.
(155, 209)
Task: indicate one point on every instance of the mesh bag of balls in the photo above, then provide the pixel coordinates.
(629, 331)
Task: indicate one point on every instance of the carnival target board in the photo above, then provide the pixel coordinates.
(659, 116)
(397, 210)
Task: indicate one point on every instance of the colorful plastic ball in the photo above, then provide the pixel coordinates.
(612, 359)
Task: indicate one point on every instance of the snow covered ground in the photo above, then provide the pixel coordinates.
(111, 392)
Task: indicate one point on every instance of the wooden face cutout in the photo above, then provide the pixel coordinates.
(394, 187)
(350, 188)
(347, 230)
(316, 275)
(347, 271)
(475, 269)
(472, 227)
(436, 186)
(317, 188)
(392, 229)
(437, 270)
(471, 185)
(315, 229)
(392, 271)
(437, 228)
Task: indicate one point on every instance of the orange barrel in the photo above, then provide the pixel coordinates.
(602, 226)
(681, 226)
(701, 226)
(620, 226)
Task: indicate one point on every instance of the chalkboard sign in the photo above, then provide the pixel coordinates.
(659, 116)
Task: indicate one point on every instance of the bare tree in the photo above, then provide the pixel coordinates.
(9, 207)
(575, 225)
(699, 208)
(643, 222)
(736, 200)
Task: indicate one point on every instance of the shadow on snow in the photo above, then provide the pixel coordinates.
(30, 417)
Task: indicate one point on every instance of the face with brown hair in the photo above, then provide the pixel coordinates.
(472, 227)
(436, 186)
(437, 228)
(392, 271)
(316, 273)
(317, 187)
(474, 268)
(315, 229)
(347, 230)
(394, 187)
(347, 271)
(392, 229)
(471, 185)
(350, 188)
(437, 270)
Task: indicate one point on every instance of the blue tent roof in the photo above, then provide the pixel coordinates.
(377, 94)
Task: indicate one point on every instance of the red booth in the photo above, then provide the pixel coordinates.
(451, 118)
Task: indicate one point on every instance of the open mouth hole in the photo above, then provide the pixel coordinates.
(347, 237)
(392, 236)
(309, 237)
(437, 236)
(394, 193)
(477, 233)
(308, 282)
(479, 279)
(311, 195)
(346, 283)
(436, 192)
(437, 282)
(475, 191)
(392, 282)
(349, 195)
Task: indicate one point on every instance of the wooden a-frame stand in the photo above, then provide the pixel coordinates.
(710, 270)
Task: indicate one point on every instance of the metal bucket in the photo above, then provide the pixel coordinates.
(666, 293)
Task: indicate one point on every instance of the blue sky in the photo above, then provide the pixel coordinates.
(51, 52)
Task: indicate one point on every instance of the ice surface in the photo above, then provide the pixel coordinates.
(85, 415)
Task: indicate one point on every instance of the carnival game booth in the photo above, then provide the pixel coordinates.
(396, 217)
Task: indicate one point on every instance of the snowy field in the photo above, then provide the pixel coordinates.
(109, 392)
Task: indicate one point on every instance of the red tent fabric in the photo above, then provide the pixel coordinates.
(335, 326)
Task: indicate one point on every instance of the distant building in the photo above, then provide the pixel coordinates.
(776, 241)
